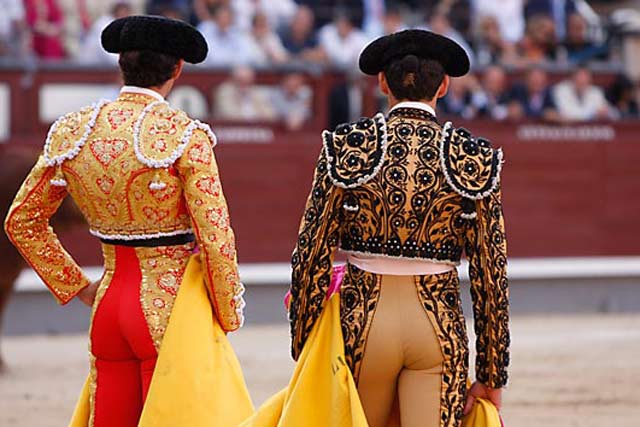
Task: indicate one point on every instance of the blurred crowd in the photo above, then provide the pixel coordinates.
(245, 35)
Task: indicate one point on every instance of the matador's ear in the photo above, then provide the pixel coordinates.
(356, 151)
(471, 165)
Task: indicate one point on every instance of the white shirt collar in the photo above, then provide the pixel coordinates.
(142, 91)
(415, 104)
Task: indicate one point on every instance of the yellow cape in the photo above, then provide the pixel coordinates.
(322, 391)
(197, 381)
(483, 414)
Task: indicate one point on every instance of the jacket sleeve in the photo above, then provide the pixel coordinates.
(27, 226)
(486, 249)
(312, 260)
(209, 214)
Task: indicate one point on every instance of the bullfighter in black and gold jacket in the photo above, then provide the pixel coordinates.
(404, 197)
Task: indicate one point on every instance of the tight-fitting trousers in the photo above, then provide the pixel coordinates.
(403, 362)
(124, 352)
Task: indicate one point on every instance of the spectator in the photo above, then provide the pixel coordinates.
(342, 41)
(577, 99)
(263, 45)
(46, 23)
(292, 101)
(392, 22)
(623, 96)
(557, 10)
(578, 47)
(77, 22)
(325, 10)
(492, 99)
(490, 47)
(169, 8)
(346, 99)
(459, 99)
(539, 43)
(227, 45)
(278, 12)
(299, 37)
(508, 15)
(532, 99)
(374, 12)
(12, 29)
(440, 23)
(240, 99)
(91, 50)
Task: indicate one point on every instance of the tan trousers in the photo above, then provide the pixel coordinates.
(403, 362)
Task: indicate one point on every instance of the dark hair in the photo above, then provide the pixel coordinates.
(146, 68)
(413, 79)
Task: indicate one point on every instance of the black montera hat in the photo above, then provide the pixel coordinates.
(162, 35)
(421, 43)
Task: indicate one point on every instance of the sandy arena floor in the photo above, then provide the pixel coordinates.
(567, 371)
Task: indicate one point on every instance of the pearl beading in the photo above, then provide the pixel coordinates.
(77, 146)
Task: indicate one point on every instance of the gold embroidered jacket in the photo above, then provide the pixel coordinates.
(137, 169)
(407, 187)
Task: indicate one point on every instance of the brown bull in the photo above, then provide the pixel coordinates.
(15, 164)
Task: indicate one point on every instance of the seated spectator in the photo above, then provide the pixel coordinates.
(278, 12)
(557, 10)
(292, 101)
(12, 29)
(458, 101)
(532, 99)
(490, 47)
(91, 50)
(539, 43)
(492, 99)
(342, 41)
(440, 23)
(346, 99)
(299, 35)
(240, 99)
(508, 15)
(227, 45)
(577, 99)
(46, 23)
(578, 47)
(176, 9)
(623, 96)
(263, 45)
(392, 22)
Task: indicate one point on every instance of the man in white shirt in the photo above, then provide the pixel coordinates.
(227, 43)
(577, 99)
(91, 51)
(342, 41)
(508, 13)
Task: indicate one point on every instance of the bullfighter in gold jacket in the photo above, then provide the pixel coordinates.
(145, 177)
(404, 197)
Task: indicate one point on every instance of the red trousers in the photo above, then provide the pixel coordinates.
(123, 347)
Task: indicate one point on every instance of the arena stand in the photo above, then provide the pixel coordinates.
(568, 189)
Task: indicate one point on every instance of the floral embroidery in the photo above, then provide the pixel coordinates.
(119, 116)
(107, 150)
(155, 214)
(200, 153)
(105, 184)
(218, 218)
(208, 185)
(228, 250)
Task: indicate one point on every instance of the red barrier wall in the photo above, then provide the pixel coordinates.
(568, 190)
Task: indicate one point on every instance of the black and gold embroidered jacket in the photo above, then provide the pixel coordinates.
(407, 187)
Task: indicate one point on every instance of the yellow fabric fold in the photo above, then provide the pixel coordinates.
(483, 414)
(197, 381)
(322, 391)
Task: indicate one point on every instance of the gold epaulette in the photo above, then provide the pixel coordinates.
(471, 166)
(356, 151)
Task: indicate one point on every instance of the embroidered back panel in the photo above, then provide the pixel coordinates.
(408, 209)
(120, 171)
